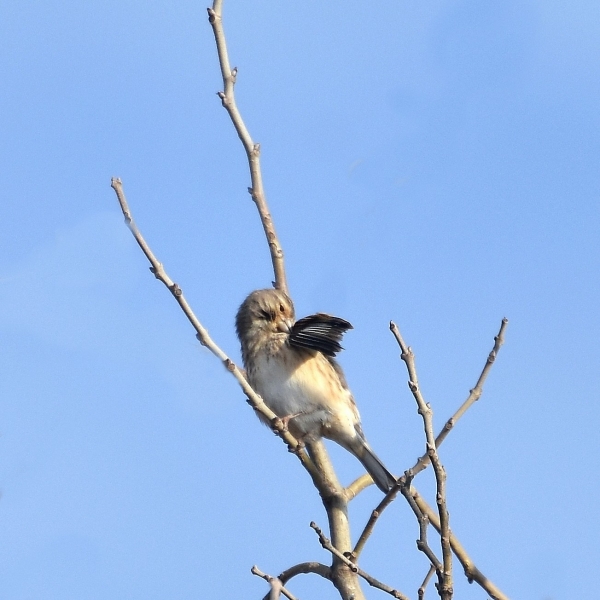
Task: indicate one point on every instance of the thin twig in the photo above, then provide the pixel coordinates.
(445, 588)
(422, 543)
(364, 536)
(327, 545)
(474, 395)
(472, 573)
(252, 149)
(362, 482)
(302, 569)
(423, 587)
(204, 338)
(276, 585)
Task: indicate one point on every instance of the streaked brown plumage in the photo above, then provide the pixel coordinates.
(291, 365)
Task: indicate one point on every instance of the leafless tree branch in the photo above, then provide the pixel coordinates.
(366, 533)
(474, 395)
(445, 585)
(362, 482)
(204, 338)
(336, 507)
(302, 569)
(327, 545)
(472, 573)
(357, 486)
(276, 585)
(423, 521)
(252, 149)
(423, 587)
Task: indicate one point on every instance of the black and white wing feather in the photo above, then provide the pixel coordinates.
(320, 332)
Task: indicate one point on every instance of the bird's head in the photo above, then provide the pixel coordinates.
(264, 312)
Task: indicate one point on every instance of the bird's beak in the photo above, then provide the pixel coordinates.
(285, 325)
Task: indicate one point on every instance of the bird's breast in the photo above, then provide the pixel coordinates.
(282, 381)
(307, 385)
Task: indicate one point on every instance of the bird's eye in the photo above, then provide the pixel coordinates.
(281, 308)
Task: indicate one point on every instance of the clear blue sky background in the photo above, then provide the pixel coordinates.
(431, 162)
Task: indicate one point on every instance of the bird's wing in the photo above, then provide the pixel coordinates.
(320, 332)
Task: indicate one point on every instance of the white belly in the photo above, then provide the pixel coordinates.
(307, 391)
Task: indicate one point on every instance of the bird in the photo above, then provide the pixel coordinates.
(292, 365)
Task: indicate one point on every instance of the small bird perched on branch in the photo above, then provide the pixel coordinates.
(291, 365)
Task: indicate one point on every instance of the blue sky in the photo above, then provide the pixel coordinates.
(435, 163)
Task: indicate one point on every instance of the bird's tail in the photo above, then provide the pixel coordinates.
(383, 479)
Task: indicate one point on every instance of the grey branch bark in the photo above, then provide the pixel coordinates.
(354, 567)
(252, 149)
(472, 573)
(474, 395)
(445, 587)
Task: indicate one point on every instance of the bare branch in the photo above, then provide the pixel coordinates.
(472, 573)
(327, 545)
(423, 520)
(357, 486)
(334, 500)
(364, 536)
(424, 409)
(204, 338)
(276, 585)
(301, 569)
(252, 149)
(474, 395)
(421, 590)
(304, 568)
(364, 481)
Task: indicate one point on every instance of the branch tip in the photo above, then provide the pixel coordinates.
(252, 149)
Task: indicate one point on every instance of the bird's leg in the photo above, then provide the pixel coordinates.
(286, 420)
